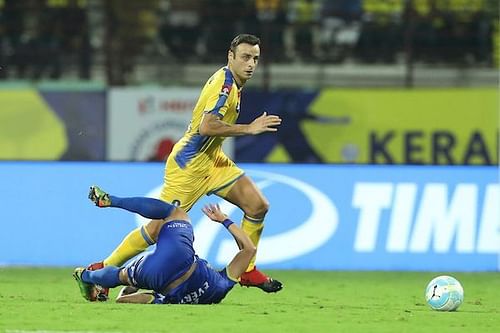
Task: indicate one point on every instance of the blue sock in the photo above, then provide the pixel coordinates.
(107, 277)
(147, 207)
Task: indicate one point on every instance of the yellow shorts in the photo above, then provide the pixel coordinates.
(185, 188)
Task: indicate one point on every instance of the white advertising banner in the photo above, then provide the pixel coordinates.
(144, 124)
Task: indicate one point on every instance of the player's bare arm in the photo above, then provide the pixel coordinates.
(136, 297)
(212, 125)
(240, 262)
(131, 294)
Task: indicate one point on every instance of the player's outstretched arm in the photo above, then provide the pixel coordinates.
(240, 262)
(212, 125)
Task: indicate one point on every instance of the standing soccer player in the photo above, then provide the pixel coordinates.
(197, 165)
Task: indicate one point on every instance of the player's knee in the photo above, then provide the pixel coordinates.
(153, 228)
(259, 209)
(179, 214)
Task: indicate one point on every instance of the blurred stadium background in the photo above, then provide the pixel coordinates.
(388, 151)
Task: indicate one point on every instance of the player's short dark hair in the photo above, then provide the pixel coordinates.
(244, 38)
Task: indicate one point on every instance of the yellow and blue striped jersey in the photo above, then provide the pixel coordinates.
(220, 96)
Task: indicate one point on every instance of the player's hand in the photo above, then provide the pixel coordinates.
(214, 213)
(264, 123)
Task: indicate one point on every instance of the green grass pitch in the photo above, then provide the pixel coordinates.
(48, 300)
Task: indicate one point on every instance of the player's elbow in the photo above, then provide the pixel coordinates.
(209, 125)
(205, 130)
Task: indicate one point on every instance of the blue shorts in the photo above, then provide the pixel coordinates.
(172, 257)
(205, 286)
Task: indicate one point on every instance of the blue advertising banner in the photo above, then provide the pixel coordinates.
(84, 117)
(323, 217)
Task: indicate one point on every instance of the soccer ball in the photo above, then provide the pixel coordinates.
(444, 293)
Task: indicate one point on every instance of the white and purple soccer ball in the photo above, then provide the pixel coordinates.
(444, 293)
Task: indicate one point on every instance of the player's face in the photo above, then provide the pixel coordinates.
(244, 61)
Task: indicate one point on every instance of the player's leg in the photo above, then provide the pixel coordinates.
(88, 280)
(134, 243)
(139, 239)
(89, 291)
(153, 270)
(180, 187)
(108, 277)
(245, 194)
(146, 207)
(230, 183)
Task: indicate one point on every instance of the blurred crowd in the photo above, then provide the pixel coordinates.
(38, 38)
(41, 38)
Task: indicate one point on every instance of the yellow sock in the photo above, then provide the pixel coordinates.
(134, 243)
(253, 228)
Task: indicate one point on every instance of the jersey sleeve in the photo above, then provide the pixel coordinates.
(218, 95)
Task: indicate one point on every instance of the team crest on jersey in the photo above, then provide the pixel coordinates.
(226, 89)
